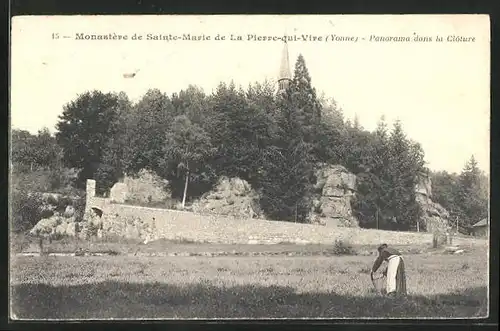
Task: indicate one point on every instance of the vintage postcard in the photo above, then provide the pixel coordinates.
(263, 167)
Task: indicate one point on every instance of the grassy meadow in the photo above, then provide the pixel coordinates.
(267, 286)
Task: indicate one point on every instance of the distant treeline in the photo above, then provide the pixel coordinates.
(273, 140)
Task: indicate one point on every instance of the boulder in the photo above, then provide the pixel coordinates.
(71, 229)
(61, 229)
(46, 226)
(424, 186)
(69, 211)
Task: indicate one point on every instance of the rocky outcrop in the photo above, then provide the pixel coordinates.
(59, 215)
(435, 217)
(335, 189)
(146, 187)
(118, 193)
(231, 197)
(55, 226)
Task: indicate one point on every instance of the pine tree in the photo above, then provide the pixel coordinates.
(287, 176)
(372, 203)
(303, 105)
(406, 162)
(470, 196)
(285, 186)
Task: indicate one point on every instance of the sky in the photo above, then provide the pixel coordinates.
(439, 90)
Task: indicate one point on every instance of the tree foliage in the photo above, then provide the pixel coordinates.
(275, 141)
(464, 195)
(32, 152)
(185, 153)
(85, 128)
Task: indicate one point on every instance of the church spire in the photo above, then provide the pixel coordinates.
(285, 75)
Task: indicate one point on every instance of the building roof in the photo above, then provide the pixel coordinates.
(483, 222)
(285, 72)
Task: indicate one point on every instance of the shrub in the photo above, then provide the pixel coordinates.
(342, 248)
(25, 211)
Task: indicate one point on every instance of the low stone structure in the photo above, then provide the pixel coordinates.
(107, 218)
(153, 223)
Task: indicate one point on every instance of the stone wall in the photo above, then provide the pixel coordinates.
(153, 223)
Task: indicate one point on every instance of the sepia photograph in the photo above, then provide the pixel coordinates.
(249, 167)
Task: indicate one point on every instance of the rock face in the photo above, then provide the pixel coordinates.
(147, 187)
(435, 217)
(118, 193)
(231, 197)
(335, 189)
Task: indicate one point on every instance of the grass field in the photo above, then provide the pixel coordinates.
(271, 286)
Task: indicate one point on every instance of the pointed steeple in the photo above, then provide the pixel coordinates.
(285, 75)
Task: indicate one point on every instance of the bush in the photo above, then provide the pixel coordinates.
(342, 248)
(26, 210)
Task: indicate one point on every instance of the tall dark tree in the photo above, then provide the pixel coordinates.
(118, 143)
(84, 129)
(406, 164)
(236, 129)
(371, 205)
(470, 197)
(287, 178)
(303, 107)
(150, 118)
(285, 187)
(330, 144)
